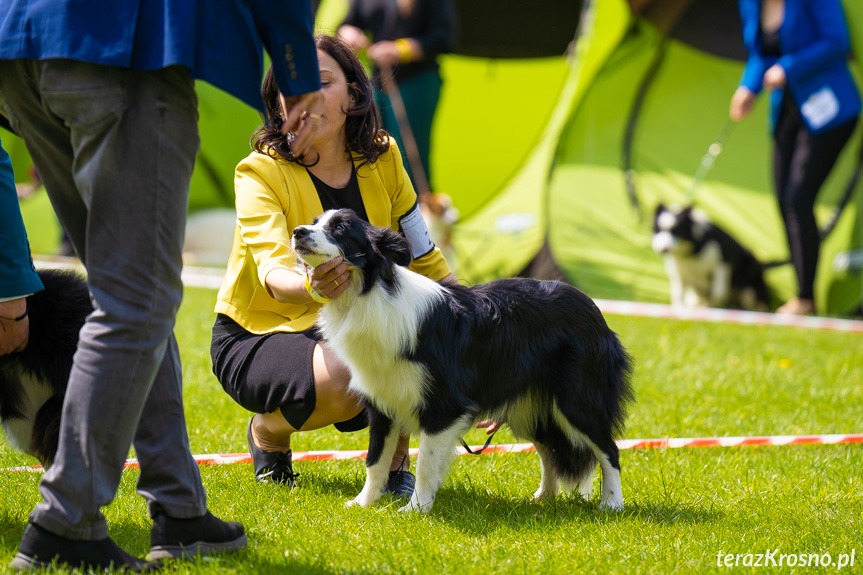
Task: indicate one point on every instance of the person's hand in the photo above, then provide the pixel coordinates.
(353, 37)
(774, 77)
(384, 54)
(302, 114)
(741, 103)
(14, 335)
(490, 425)
(330, 279)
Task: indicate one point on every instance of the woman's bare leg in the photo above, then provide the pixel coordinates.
(333, 404)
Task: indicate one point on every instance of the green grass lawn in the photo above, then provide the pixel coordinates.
(683, 506)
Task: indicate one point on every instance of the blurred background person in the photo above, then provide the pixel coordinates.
(405, 37)
(798, 50)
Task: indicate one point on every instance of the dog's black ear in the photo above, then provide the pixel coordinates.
(660, 208)
(393, 246)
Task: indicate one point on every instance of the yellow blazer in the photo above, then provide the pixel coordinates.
(274, 196)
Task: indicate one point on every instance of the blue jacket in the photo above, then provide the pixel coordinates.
(220, 41)
(815, 43)
(18, 277)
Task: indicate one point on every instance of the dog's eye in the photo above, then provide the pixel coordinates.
(340, 227)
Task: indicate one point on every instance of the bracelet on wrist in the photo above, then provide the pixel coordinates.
(406, 51)
(315, 295)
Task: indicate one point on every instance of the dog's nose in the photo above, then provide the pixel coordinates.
(301, 232)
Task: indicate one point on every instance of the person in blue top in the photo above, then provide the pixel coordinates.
(18, 277)
(103, 95)
(798, 50)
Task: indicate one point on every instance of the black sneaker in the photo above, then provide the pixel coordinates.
(401, 483)
(42, 550)
(172, 538)
(271, 466)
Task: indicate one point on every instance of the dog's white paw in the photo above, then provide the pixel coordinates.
(541, 494)
(612, 503)
(360, 501)
(417, 506)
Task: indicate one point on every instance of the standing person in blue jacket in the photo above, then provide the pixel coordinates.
(103, 95)
(798, 50)
(18, 277)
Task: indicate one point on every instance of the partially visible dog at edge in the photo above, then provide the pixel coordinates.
(705, 265)
(33, 381)
(432, 360)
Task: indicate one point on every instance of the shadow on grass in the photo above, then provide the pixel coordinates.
(338, 485)
(480, 512)
(248, 561)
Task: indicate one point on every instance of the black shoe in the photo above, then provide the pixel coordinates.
(271, 466)
(401, 483)
(172, 538)
(40, 550)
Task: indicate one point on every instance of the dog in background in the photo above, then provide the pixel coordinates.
(33, 381)
(432, 360)
(705, 265)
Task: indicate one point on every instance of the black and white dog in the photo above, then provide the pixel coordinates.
(705, 265)
(33, 381)
(430, 359)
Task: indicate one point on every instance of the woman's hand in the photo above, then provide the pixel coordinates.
(330, 279)
(741, 103)
(774, 77)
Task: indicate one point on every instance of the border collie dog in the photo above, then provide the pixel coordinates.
(705, 265)
(33, 381)
(432, 359)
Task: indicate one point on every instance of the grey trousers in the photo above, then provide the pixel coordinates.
(115, 149)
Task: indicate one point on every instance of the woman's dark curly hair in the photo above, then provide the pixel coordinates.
(366, 139)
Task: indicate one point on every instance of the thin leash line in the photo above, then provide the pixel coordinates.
(622, 444)
(708, 160)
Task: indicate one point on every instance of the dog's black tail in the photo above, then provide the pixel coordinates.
(616, 367)
(598, 392)
(46, 430)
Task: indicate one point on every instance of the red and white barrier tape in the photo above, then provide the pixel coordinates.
(668, 443)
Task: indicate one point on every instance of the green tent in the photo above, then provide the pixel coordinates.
(645, 94)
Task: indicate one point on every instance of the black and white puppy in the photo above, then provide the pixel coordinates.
(705, 265)
(432, 360)
(33, 381)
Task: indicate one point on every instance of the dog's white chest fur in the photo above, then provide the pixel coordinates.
(374, 350)
(700, 279)
(36, 393)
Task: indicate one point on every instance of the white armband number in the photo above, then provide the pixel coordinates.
(417, 234)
